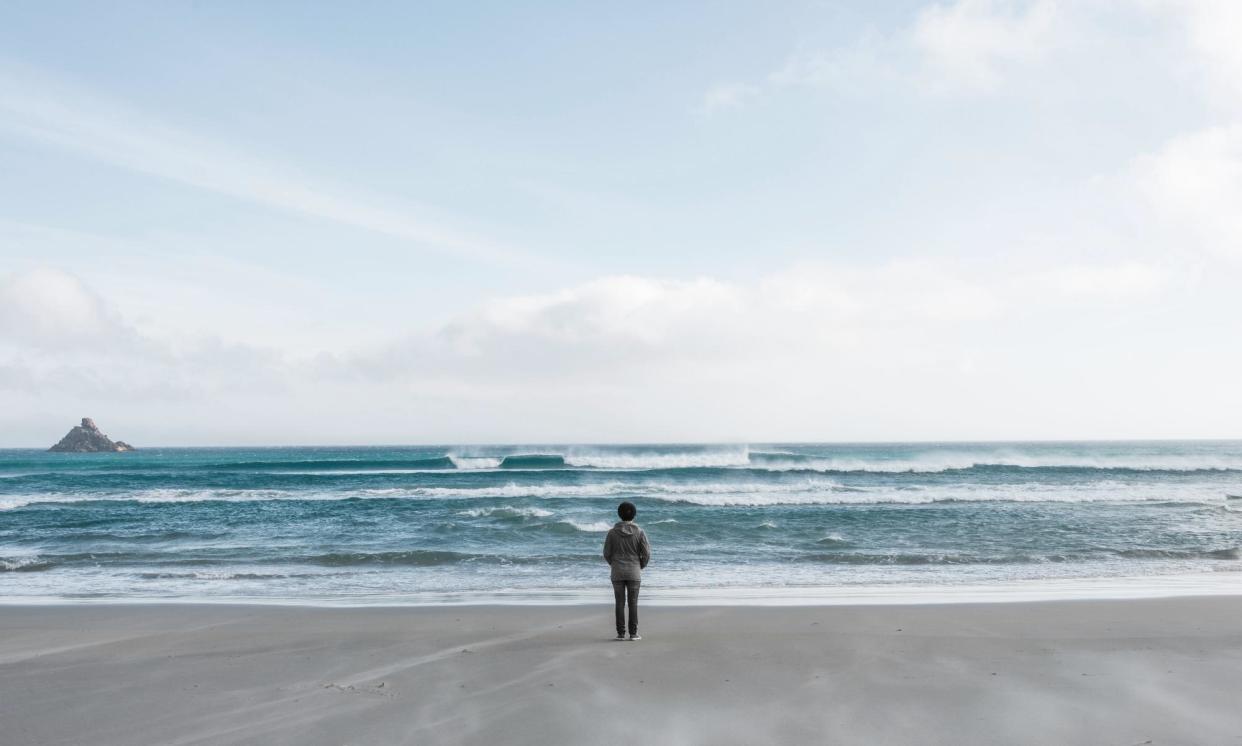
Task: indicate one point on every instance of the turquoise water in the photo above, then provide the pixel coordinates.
(406, 524)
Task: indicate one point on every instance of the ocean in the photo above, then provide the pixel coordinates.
(396, 525)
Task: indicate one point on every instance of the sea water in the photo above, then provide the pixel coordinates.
(526, 523)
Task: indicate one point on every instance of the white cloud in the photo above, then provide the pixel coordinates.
(60, 338)
(728, 96)
(967, 46)
(1104, 282)
(794, 311)
(48, 308)
(807, 318)
(969, 42)
(893, 293)
(620, 357)
(870, 61)
(1213, 28)
(1194, 183)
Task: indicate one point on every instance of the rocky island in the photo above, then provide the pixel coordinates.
(86, 438)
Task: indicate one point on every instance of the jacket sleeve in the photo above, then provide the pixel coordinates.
(608, 548)
(644, 550)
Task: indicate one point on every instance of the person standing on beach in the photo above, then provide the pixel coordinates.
(627, 551)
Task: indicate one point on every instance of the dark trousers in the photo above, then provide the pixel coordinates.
(621, 589)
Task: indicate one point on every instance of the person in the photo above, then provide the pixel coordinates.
(627, 551)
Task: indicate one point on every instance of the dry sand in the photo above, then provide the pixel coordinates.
(1163, 671)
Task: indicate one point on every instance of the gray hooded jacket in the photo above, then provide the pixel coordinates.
(626, 549)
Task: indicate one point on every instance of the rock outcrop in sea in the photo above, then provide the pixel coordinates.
(86, 438)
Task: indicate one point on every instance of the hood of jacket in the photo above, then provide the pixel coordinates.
(626, 528)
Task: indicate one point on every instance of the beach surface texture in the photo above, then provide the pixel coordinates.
(1149, 671)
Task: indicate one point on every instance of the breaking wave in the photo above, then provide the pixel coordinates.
(817, 491)
(475, 462)
(589, 527)
(533, 461)
(661, 461)
(939, 462)
(28, 563)
(853, 460)
(505, 511)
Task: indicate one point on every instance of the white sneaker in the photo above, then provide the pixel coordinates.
(634, 638)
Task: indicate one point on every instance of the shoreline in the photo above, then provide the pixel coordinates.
(1182, 585)
(1077, 671)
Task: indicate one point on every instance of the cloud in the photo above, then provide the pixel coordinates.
(48, 308)
(965, 46)
(798, 310)
(57, 115)
(1103, 282)
(606, 327)
(1212, 28)
(616, 330)
(59, 337)
(870, 61)
(1194, 184)
(618, 357)
(729, 96)
(969, 43)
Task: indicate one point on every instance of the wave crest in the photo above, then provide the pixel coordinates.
(661, 461)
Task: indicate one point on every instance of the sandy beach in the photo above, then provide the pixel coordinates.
(1156, 671)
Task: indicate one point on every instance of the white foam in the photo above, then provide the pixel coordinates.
(9, 503)
(654, 460)
(1137, 463)
(511, 490)
(16, 563)
(810, 491)
(506, 510)
(930, 464)
(1002, 591)
(165, 496)
(936, 462)
(475, 462)
(1014, 591)
(814, 494)
(17, 557)
(593, 527)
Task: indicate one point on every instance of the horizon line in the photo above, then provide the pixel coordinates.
(674, 443)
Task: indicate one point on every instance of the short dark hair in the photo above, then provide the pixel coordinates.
(627, 511)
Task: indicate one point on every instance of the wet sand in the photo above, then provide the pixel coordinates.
(1158, 671)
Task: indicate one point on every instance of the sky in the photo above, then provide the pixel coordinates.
(232, 223)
